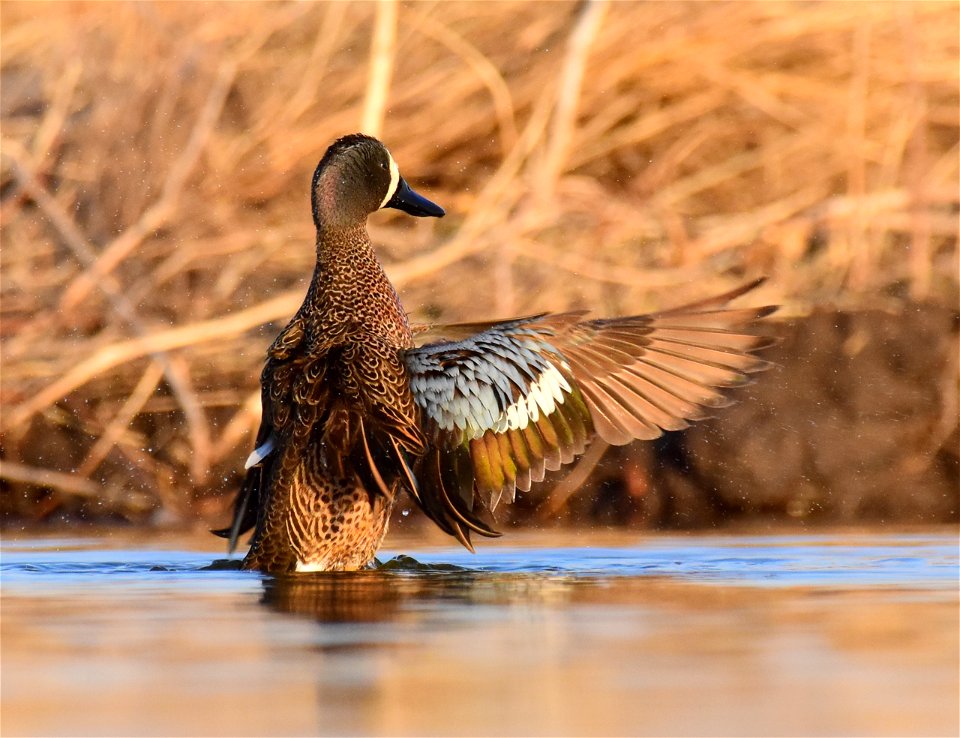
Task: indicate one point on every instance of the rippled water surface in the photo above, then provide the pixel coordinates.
(761, 635)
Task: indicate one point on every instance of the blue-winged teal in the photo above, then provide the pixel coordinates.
(354, 411)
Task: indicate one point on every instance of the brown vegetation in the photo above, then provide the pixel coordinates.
(156, 161)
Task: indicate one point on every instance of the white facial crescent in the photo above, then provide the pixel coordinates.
(394, 181)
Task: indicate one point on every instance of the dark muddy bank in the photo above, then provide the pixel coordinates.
(856, 423)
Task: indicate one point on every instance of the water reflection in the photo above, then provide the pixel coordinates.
(385, 595)
(802, 635)
(336, 597)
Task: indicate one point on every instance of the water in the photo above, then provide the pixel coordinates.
(759, 635)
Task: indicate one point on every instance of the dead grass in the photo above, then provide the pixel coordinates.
(622, 156)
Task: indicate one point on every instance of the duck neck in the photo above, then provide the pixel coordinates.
(340, 248)
(349, 279)
(344, 257)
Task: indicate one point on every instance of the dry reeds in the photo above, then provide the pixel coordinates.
(156, 162)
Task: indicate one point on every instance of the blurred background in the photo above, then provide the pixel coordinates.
(621, 157)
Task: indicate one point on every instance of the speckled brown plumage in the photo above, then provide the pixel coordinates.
(334, 366)
(354, 413)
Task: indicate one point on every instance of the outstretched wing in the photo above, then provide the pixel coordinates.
(524, 396)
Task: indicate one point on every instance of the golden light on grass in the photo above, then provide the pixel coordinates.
(623, 156)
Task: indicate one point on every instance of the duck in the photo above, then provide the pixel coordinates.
(360, 407)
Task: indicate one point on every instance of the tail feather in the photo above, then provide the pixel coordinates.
(246, 508)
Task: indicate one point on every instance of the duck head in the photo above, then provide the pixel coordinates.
(356, 177)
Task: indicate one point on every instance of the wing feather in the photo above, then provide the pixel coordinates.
(509, 464)
(538, 449)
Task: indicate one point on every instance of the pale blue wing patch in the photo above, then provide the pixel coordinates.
(501, 379)
(261, 452)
